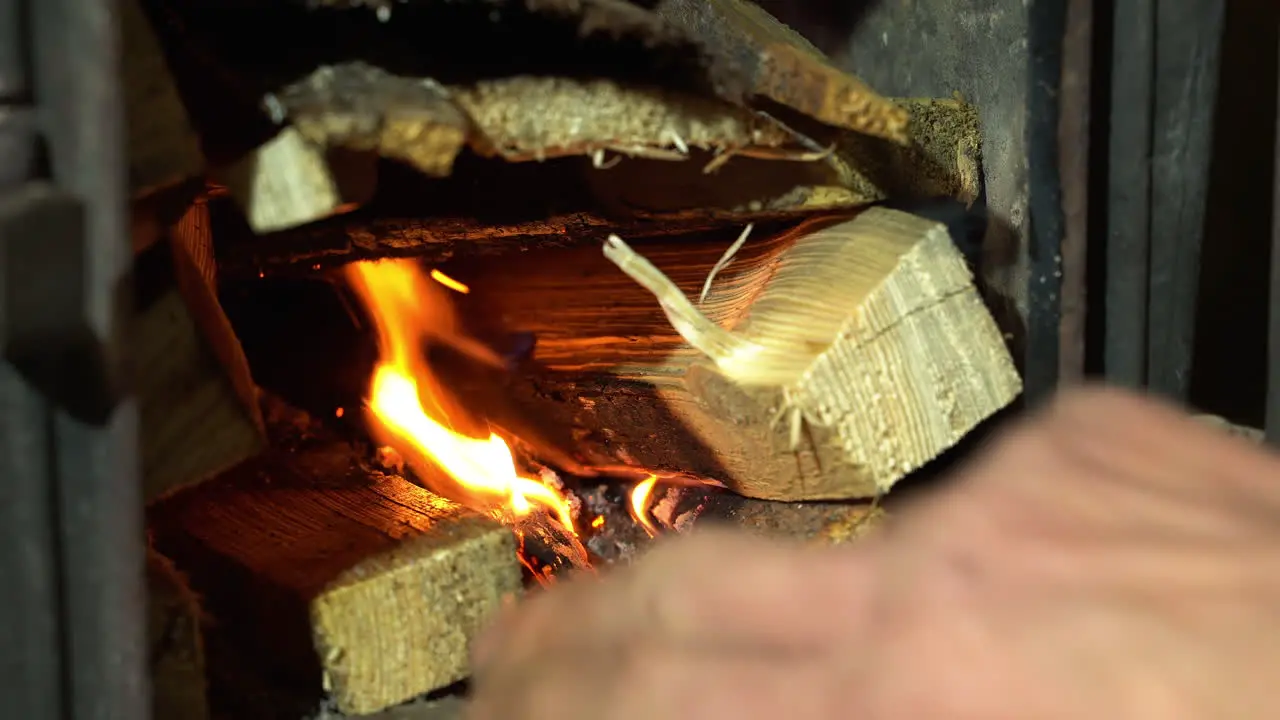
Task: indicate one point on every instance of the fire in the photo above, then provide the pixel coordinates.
(640, 495)
(449, 282)
(411, 411)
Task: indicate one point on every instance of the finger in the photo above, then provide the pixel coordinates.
(1108, 462)
(726, 586)
(530, 623)
(653, 679)
(715, 588)
(483, 647)
(1159, 445)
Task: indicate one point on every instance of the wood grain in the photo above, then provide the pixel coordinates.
(917, 361)
(199, 411)
(325, 573)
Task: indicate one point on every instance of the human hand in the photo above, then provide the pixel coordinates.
(1107, 558)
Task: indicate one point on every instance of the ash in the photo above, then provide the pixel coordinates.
(613, 536)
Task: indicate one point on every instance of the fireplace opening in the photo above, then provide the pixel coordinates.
(426, 331)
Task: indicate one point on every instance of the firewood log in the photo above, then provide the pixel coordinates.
(869, 338)
(176, 647)
(199, 412)
(571, 201)
(361, 107)
(290, 181)
(325, 574)
(900, 360)
(754, 55)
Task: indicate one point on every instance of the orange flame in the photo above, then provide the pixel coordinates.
(640, 495)
(409, 408)
(449, 282)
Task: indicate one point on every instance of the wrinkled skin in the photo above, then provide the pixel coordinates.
(1108, 558)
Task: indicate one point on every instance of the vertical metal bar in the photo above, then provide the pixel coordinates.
(1046, 27)
(30, 644)
(1129, 194)
(1073, 157)
(1188, 44)
(1273, 311)
(17, 136)
(30, 661)
(13, 71)
(77, 79)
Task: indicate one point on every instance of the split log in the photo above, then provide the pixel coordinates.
(176, 649)
(521, 118)
(163, 148)
(677, 79)
(290, 181)
(364, 108)
(417, 120)
(568, 201)
(324, 573)
(941, 158)
(907, 361)
(730, 50)
(770, 60)
(198, 404)
(868, 341)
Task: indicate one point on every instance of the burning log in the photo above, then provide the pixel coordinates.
(898, 361)
(199, 411)
(621, 520)
(323, 572)
(177, 650)
(163, 147)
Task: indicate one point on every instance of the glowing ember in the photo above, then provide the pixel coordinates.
(640, 504)
(449, 282)
(597, 522)
(410, 411)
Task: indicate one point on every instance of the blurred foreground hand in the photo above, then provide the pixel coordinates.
(1108, 558)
